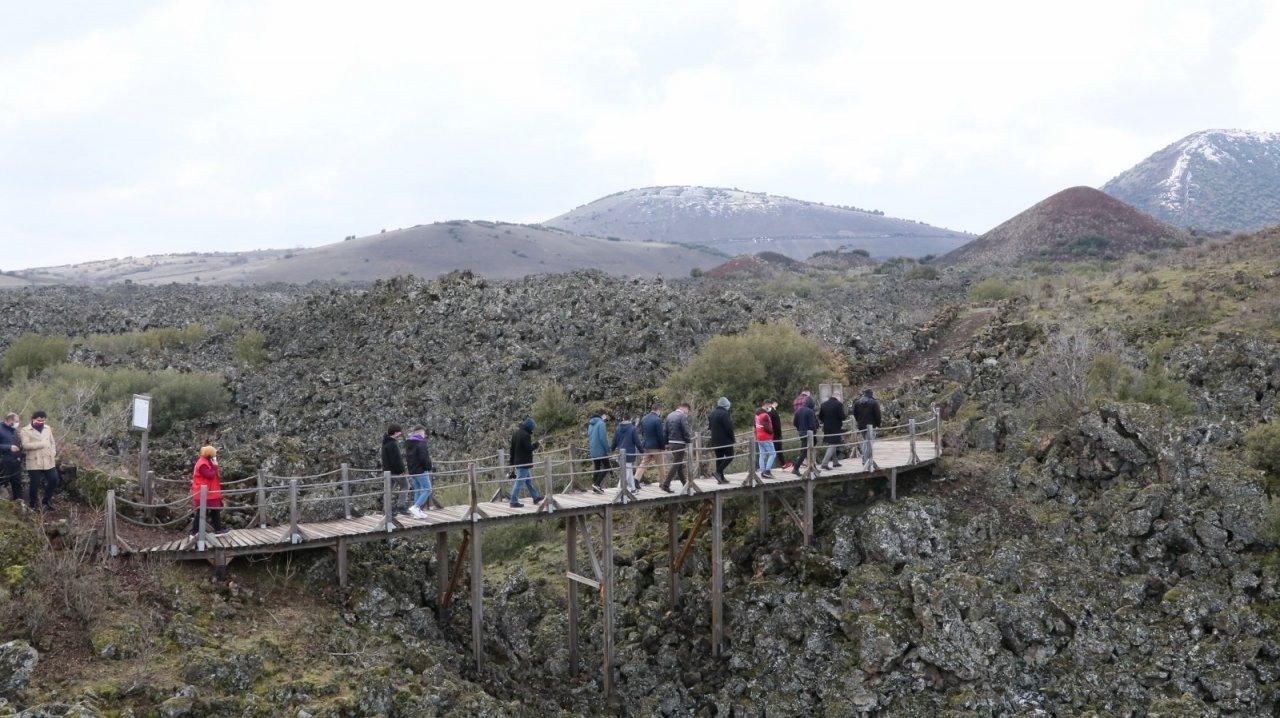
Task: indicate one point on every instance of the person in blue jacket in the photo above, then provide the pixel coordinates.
(598, 445)
(624, 439)
(806, 422)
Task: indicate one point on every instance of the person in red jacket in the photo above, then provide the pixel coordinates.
(764, 440)
(206, 476)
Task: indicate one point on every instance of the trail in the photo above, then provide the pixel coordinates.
(958, 336)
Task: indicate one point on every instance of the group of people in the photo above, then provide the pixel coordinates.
(33, 447)
(644, 443)
(410, 467)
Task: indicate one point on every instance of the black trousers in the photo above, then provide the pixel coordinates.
(36, 477)
(11, 474)
(805, 442)
(215, 518)
(599, 470)
(724, 457)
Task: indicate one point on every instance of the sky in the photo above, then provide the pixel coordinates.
(130, 127)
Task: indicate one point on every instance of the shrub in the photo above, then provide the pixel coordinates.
(251, 348)
(156, 339)
(1263, 444)
(553, 410)
(179, 397)
(33, 353)
(921, 271)
(991, 289)
(767, 360)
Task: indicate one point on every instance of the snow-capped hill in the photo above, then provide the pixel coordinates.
(738, 222)
(1212, 180)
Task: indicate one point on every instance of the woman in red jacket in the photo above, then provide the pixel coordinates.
(206, 476)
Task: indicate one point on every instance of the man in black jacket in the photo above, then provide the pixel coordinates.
(721, 427)
(11, 456)
(393, 461)
(866, 412)
(678, 437)
(832, 416)
(521, 457)
(806, 422)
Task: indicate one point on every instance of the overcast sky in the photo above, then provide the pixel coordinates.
(134, 128)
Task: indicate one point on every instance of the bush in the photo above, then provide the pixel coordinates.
(31, 354)
(179, 397)
(991, 289)
(921, 271)
(157, 339)
(1263, 444)
(767, 360)
(553, 410)
(1111, 377)
(251, 348)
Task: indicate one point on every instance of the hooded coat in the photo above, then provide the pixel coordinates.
(597, 438)
(624, 438)
(806, 420)
(523, 445)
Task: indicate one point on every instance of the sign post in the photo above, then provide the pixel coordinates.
(142, 420)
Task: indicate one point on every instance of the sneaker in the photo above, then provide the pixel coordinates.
(516, 505)
(835, 463)
(417, 513)
(222, 531)
(796, 471)
(767, 474)
(785, 465)
(537, 499)
(666, 488)
(597, 489)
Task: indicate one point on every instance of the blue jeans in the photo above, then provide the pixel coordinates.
(767, 454)
(421, 489)
(524, 477)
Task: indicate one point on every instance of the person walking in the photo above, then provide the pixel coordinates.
(625, 440)
(598, 446)
(764, 440)
(866, 413)
(832, 416)
(207, 476)
(419, 460)
(393, 461)
(678, 438)
(41, 451)
(653, 441)
(806, 423)
(776, 421)
(721, 426)
(521, 458)
(799, 400)
(11, 456)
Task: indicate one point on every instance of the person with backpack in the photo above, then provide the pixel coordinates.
(420, 468)
(521, 459)
(764, 440)
(625, 440)
(598, 447)
(832, 416)
(806, 423)
(678, 437)
(866, 413)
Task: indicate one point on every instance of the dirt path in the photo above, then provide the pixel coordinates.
(958, 336)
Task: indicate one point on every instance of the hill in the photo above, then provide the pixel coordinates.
(1210, 180)
(491, 249)
(1074, 224)
(737, 222)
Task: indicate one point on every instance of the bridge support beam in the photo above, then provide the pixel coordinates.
(341, 548)
(808, 513)
(717, 575)
(442, 570)
(893, 484)
(673, 547)
(571, 561)
(477, 596)
(607, 594)
(762, 525)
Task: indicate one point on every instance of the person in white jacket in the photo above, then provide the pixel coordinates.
(41, 451)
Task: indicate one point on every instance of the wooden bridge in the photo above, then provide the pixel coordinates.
(331, 503)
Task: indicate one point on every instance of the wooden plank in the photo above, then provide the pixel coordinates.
(579, 578)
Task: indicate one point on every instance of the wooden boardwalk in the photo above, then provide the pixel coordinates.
(909, 447)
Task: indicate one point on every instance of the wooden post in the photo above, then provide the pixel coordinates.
(144, 475)
(477, 594)
(717, 575)
(342, 562)
(673, 545)
(811, 452)
(262, 498)
(202, 539)
(607, 591)
(295, 533)
(937, 433)
(763, 523)
(868, 459)
(808, 513)
(571, 560)
(442, 570)
(386, 501)
(110, 524)
(893, 484)
(346, 489)
(624, 495)
(753, 458)
(911, 427)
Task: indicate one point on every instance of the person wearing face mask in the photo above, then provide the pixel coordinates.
(41, 456)
(11, 456)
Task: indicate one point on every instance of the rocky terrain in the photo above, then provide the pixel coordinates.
(1095, 542)
(1075, 224)
(736, 222)
(1224, 180)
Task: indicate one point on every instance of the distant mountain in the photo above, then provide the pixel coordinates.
(1211, 180)
(1074, 224)
(737, 222)
(490, 249)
